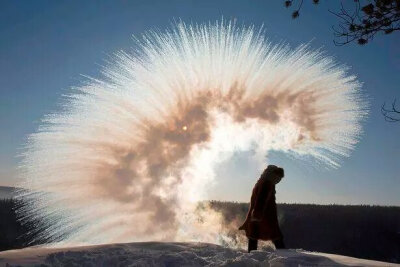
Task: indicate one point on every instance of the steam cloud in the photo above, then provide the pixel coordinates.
(128, 156)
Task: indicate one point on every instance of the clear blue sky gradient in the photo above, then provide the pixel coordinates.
(46, 47)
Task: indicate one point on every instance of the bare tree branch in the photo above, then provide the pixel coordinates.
(363, 22)
(392, 114)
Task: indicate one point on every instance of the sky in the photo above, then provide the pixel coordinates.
(47, 47)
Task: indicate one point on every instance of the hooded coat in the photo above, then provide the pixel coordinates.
(262, 221)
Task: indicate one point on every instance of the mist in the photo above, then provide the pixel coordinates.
(128, 157)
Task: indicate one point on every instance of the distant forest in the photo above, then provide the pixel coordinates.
(10, 228)
(369, 232)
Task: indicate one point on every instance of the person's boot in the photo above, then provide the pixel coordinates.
(253, 243)
(279, 244)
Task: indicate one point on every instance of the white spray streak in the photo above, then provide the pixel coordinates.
(129, 155)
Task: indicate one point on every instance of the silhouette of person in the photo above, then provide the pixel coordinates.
(262, 220)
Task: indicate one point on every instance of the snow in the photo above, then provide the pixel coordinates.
(172, 254)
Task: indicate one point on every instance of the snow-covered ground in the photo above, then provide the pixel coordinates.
(172, 254)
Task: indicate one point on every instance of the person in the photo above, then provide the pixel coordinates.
(261, 220)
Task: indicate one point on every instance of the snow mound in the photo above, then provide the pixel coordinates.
(172, 254)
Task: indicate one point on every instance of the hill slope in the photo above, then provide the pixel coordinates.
(172, 254)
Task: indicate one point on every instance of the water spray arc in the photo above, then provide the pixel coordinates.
(127, 155)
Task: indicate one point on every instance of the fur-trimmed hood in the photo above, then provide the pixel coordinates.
(273, 174)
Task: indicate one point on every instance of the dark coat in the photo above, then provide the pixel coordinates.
(262, 221)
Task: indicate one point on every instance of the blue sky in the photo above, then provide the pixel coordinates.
(46, 47)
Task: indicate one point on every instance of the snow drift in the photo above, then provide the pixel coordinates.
(173, 254)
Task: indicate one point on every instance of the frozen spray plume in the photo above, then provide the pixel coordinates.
(129, 155)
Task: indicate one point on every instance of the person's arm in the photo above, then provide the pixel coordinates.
(262, 200)
(252, 204)
(271, 193)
